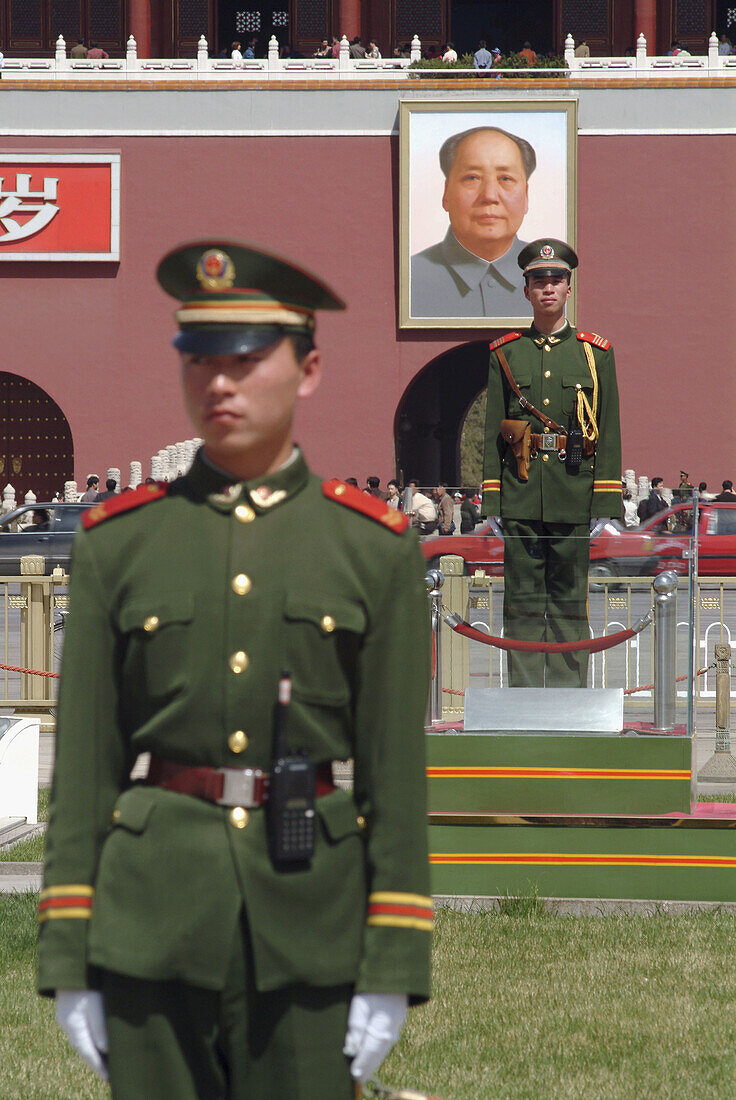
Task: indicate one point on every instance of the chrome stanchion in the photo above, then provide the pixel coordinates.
(434, 581)
(665, 632)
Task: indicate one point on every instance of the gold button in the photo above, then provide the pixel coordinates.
(115, 816)
(239, 661)
(237, 742)
(328, 624)
(546, 401)
(547, 373)
(545, 458)
(244, 513)
(361, 821)
(241, 584)
(239, 817)
(339, 490)
(151, 624)
(546, 347)
(578, 386)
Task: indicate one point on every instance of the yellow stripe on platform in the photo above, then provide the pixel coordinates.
(584, 860)
(401, 922)
(557, 773)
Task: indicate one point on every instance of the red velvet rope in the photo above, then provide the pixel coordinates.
(593, 645)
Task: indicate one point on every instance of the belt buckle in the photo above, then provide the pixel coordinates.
(238, 787)
(549, 441)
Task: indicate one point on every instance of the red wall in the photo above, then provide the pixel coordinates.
(656, 227)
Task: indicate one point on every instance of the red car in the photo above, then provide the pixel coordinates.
(663, 542)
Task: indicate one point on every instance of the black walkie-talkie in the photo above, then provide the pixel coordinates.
(574, 447)
(291, 792)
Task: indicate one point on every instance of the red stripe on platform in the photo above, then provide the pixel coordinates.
(587, 860)
(555, 773)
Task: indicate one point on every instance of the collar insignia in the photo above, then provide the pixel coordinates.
(266, 498)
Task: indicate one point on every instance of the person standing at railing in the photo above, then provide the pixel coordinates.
(528, 54)
(482, 58)
(373, 51)
(235, 53)
(95, 53)
(237, 925)
(450, 54)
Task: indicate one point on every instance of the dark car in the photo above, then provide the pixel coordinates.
(663, 542)
(50, 533)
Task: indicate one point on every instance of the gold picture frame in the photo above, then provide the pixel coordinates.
(443, 282)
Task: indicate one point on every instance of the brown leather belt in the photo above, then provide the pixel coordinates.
(548, 442)
(246, 787)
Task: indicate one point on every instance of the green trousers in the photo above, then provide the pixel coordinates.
(172, 1041)
(545, 599)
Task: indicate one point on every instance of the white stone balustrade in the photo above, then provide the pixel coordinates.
(71, 493)
(203, 67)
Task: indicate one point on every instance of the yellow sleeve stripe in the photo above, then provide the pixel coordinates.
(400, 922)
(490, 486)
(391, 898)
(59, 914)
(66, 891)
(606, 488)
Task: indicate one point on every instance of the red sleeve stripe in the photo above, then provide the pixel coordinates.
(419, 911)
(71, 902)
(491, 485)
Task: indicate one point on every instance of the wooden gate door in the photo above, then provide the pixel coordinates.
(36, 449)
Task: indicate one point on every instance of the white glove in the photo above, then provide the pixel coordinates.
(80, 1016)
(374, 1025)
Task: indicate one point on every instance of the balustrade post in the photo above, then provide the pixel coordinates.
(415, 50)
(721, 768)
(570, 51)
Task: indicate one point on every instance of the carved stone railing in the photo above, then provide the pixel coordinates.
(640, 65)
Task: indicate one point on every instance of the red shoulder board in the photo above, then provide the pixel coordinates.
(368, 505)
(505, 339)
(124, 502)
(593, 338)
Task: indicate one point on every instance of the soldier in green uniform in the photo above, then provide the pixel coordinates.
(191, 957)
(563, 471)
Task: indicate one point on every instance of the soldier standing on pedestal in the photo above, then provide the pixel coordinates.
(552, 461)
(236, 926)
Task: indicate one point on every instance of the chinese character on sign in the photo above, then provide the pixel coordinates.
(34, 208)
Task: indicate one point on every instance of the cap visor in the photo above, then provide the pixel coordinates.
(222, 340)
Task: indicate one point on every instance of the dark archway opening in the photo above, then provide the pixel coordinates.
(236, 23)
(430, 415)
(36, 447)
(502, 24)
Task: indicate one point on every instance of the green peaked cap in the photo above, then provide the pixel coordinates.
(236, 298)
(547, 256)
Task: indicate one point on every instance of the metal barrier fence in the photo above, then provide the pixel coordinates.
(615, 604)
(31, 610)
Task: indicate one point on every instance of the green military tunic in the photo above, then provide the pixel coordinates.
(547, 519)
(183, 614)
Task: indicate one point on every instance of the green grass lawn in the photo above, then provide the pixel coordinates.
(526, 1006)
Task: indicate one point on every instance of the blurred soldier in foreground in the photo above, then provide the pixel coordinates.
(552, 460)
(236, 926)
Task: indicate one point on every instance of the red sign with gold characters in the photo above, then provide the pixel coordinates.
(60, 206)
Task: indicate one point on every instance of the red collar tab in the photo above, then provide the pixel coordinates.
(124, 502)
(505, 340)
(367, 505)
(593, 338)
